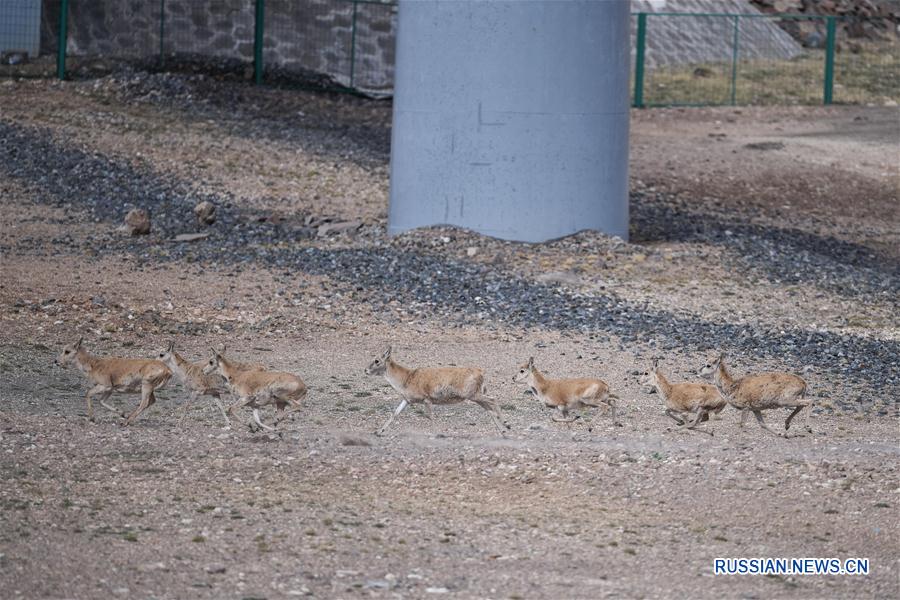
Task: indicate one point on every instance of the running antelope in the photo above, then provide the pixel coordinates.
(756, 393)
(194, 379)
(210, 365)
(445, 385)
(116, 375)
(566, 394)
(257, 388)
(682, 399)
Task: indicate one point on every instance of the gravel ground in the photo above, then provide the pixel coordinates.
(734, 247)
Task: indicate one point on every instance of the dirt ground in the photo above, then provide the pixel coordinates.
(780, 223)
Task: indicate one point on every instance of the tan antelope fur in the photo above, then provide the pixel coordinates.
(257, 388)
(756, 393)
(682, 399)
(192, 377)
(116, 375)
(444, 385)
(566, 394)
(210, 365)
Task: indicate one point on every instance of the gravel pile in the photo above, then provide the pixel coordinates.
(783, 254)
(418, 273)
(361, 134)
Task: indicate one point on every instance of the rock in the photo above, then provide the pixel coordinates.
(205, 213)
(765, 146)
(15, 58)
(559, 277)
(354, 440)
(137, 222)
(215, 568)
(471, 251)
(341, 227)
(190, 237)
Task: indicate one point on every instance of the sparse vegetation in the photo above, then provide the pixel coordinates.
(871, 75)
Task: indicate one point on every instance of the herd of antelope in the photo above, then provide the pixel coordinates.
(254, 386)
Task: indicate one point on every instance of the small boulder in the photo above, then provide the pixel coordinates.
(341, 227)
(205, 213)
(190, 237)
(137, 222)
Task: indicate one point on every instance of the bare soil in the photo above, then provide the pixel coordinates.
(445, 506)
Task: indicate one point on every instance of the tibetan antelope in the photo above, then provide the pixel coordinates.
(682, 399)
(257, 388)
(116, 375)
(192, 377)
(756, 393)
(444, 385)
(566, 394)
(210, 365)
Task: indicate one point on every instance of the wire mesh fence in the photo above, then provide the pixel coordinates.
(348, 45)
(336, 45)
(716, 59)
(867, 67)
(345, 44)
(20, 35)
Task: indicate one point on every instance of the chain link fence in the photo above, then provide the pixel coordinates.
(348, 45)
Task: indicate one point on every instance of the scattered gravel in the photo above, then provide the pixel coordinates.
(783, 254)
(440, 506)
(416, 271)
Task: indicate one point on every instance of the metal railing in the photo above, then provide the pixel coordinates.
(307, 43)
(348, 45)
(730, 59)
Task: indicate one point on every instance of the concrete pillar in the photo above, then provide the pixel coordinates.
(511, 117)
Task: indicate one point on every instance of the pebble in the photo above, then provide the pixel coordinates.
(405, 271)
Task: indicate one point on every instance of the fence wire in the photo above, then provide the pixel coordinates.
(341, 45)
(716, 59)
(331, 44)
(20, 38)
(867, 63)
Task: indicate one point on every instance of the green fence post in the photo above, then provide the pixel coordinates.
(734, 59)
(162, 31)
(353, 43)
(829, 60)
(63, 39)
(258, 41)
(639, 60)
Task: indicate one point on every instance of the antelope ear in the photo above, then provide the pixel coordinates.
(387, 353)
(655, 363)
(721, 356)
(530, 362)
(78, 343)
(215, 352)
(224, 347)
(171, 346)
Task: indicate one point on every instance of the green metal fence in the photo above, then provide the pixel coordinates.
(749, 59)
(307, 43)
(347, 45)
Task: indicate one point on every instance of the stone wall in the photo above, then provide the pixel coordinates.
(302, 36)
(315, 36)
